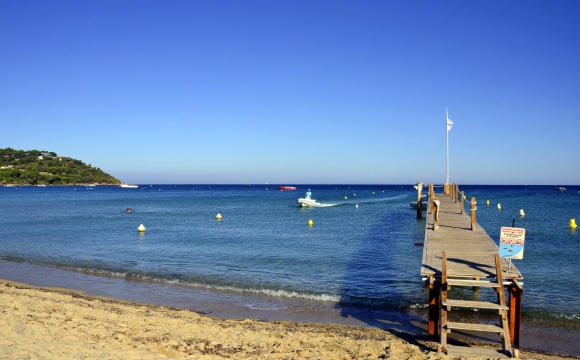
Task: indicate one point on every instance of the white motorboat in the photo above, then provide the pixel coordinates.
(308, 202)
(129, 186)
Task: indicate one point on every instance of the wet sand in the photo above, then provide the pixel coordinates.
(56, 322)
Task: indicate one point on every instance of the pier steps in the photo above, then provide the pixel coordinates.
(447, 304)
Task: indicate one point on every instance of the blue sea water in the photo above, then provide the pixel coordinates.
(263, 245)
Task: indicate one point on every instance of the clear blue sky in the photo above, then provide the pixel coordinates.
(296, 91)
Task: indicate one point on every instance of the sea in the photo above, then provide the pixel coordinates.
(362, 254)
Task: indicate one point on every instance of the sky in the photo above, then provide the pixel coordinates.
(297, 92)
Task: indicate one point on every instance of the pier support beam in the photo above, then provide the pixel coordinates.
(516, 292)
(434, 306)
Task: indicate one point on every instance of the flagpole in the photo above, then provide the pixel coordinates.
(447, 133)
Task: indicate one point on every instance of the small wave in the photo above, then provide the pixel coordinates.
(278, 293)
(264, 307)
(552, 317)
(419, 306)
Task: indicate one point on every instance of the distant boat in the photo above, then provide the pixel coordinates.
(286, 188)
(128, 186)
(41, 185)
(560, 188)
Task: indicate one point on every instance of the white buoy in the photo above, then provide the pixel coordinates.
(499, 206)
(357, 206)
(141, 228)
(218, 216)
(522, 212)
(345, 197)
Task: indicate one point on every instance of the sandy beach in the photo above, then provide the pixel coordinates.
(55, 323)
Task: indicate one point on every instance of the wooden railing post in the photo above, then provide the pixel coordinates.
(473, 208)
(462, 201)
(456, 191)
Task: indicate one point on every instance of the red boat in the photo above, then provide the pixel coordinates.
(286, 188)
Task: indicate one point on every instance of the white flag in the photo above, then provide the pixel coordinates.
(449, 123)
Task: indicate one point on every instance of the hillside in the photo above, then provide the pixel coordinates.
(33, 167)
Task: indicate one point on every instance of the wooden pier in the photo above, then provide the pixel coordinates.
(470, 261)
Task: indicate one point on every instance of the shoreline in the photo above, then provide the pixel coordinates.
(408, 328)
(51, 322)
(56, 322)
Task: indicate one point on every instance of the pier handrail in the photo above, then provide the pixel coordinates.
(452, 191)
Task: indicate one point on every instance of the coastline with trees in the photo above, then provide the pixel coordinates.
(36, 167)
